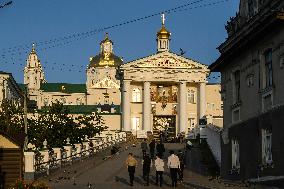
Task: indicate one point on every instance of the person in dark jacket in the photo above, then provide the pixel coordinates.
(152, 146)
(160, 149)
(144, 147)
(146, 162)
(181, 168)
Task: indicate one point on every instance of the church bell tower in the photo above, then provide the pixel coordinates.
(163, 37)
(33, 72)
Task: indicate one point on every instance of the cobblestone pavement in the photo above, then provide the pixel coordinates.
(112, 173)
(107, 174)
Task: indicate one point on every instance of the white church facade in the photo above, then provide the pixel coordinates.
(163, 91)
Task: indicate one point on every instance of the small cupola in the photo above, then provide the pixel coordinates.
(163, 37)
(106, 45)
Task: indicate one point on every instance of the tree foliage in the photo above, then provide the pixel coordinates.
(54, 125)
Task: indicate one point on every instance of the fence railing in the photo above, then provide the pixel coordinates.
(44, 162)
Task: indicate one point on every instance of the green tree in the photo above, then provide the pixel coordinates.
(11, 117)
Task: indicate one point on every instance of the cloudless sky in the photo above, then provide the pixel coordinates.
(198, 31)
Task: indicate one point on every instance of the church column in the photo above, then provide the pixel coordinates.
(182, 107)
(202, 99)
(126, 105)
(146, 107)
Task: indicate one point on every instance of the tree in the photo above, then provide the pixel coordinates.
(11, 117)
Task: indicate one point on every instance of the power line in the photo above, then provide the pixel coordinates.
(6, 4)
(78, 36)
(18, 50)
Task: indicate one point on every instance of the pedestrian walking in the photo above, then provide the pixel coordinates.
(144, 147)
(146, 162)
(174, 165)
(131, 163)
(159, 164)
(152, 146)
(160, 149)
(181, 168)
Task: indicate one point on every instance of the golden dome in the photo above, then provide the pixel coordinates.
(163, 33)
(106, 39)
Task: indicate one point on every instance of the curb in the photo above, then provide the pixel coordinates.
(199, 186)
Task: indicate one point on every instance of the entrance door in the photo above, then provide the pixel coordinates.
(166, 124)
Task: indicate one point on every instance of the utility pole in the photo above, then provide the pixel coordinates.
(26, 120)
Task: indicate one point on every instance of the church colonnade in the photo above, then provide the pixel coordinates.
(146, 113)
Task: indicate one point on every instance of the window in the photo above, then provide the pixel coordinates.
(235, 154)
(236, 115)
(191, 96)
(237, 86)
(268, 68)
(266, 146)
(191, 124)
(45, 102)
(250, 80)
(267, 101)
(136, 95)
(78, 101)
(210, 106)
(135, 123)
(62, 100)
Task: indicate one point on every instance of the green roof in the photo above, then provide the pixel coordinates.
(85, 109)
(22, 86)
(63, 87)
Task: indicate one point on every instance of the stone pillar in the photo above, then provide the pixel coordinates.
(57, 151)
(68, 150)
(45, 154)
(126, 105)
(202, 99)
(78, 150)
(87, 148)
(29, 166)
(182, 107)
(146, 107)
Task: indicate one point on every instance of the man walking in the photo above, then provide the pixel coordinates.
(160, 149)
(131, 163)
(144, 147)
(152, 146)
(181, 168)
(174, 165)
(146, 162)
(159, 164)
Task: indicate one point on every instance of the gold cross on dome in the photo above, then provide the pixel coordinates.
(163, 19)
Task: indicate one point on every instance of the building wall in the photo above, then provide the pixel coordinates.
(250, 62)
(5, 143)
(112, 121)
(9, 89)
(245, 52)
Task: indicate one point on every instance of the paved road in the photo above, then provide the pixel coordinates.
(108, 174)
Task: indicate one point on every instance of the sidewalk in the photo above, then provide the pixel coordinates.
(196, 174)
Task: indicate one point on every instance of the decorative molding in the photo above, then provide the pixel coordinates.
(106, 83)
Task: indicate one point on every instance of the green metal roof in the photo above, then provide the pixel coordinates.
(63, 87)
(84, 109)
(23, 87)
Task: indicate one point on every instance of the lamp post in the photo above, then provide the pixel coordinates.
(26, 120)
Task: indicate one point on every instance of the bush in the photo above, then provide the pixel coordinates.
(21, 184)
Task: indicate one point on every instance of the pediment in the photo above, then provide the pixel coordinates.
(166, 60)
(106, 83)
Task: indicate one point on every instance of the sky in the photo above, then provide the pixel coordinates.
(58, 28)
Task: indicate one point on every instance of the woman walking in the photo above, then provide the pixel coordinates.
(159, 164)
(131, 163)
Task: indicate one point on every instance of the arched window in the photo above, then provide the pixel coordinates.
(62, 100)
(191, 96)
(78, 101)
(136, 95)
